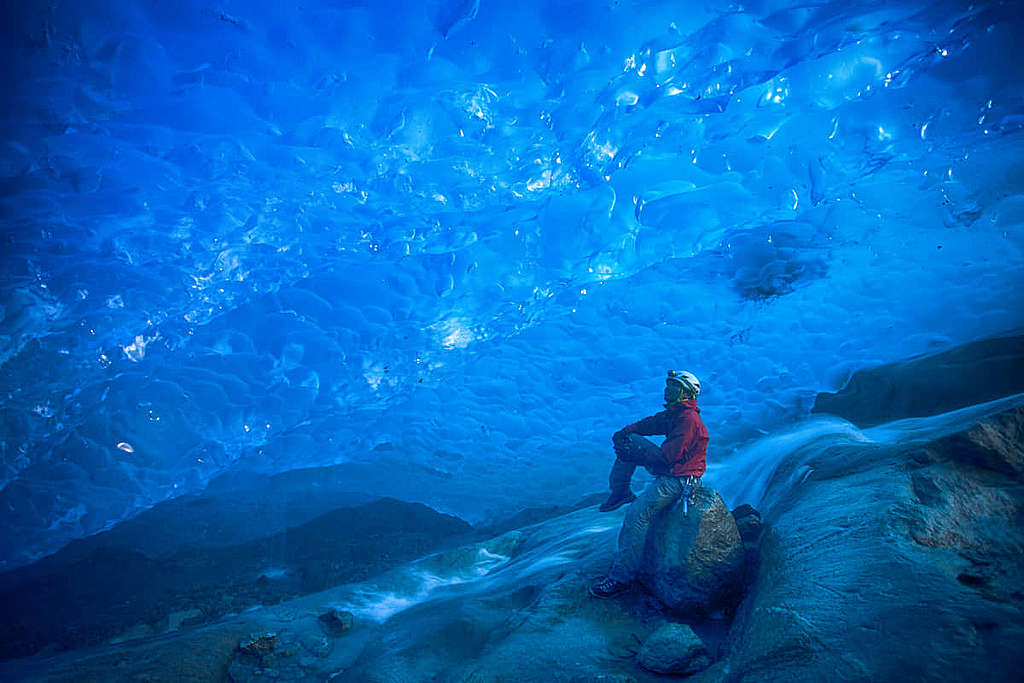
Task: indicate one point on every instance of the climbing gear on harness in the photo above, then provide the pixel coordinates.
(690, 486)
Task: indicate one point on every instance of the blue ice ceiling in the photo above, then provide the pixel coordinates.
(470, 236)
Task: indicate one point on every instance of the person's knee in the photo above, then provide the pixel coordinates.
(642, 443)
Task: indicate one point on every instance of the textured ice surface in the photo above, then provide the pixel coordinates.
(472, 235)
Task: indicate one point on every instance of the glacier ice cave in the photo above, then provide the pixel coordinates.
(439, 251)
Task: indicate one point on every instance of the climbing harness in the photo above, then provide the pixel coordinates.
(690, 485)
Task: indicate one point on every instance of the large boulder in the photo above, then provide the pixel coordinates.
(694, 563)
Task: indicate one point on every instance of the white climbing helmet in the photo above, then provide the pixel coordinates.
(688, 380)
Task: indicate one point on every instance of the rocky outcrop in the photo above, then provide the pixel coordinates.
(694, 563)
(929, 385)
(899, 562)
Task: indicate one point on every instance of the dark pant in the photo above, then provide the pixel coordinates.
(636, 452)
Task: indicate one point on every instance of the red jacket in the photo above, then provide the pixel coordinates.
(686, 438)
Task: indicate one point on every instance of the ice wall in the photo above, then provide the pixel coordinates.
(472, 235)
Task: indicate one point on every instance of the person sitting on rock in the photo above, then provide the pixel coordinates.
(677, 465)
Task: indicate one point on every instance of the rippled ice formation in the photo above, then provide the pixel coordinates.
(473, 234)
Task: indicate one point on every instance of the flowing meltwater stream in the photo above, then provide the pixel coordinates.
(746, 476)
(518, 557)
(513, 559)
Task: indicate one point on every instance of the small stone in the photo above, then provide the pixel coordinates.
(258, 644)
(674, 649)
(748, 521)
(744, 510)
(337, 620)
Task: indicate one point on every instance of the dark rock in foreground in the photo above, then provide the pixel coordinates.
(694, 564)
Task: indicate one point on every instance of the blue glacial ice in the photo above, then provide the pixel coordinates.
(471, 235)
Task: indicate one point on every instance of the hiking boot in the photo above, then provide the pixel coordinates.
(607, 587)
(617, 500)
